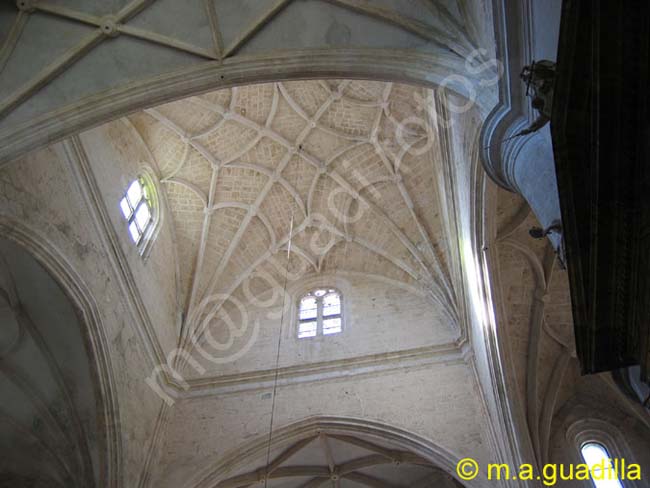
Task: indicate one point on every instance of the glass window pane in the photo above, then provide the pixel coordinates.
(134, 231)
(331, 326)
(331, 305)
(320, 293)
(308, 326)
(598, 459)
(124, 206)
(307, 329)
(332, 299)
(142, 215)
(330, 311)
(308, 308)
(309, 313)
(134, 193)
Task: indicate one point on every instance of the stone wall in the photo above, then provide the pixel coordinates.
(440, 403)
(41, 197)
(379, 318)
(116, 157)
(558, 408)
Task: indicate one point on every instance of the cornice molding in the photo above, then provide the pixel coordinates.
(447, 354)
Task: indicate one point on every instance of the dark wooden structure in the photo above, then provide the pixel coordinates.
(601, 137)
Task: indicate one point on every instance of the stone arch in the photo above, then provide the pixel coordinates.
(603, 419)
(469, 82)
(147, 175)
(605, 433)
(35, 247)
(403, 446)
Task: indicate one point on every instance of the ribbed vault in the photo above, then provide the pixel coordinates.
(357, 165)
(123, 49)
(343, 461)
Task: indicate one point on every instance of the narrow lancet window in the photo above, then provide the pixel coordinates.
(137, 208)
(601, 466)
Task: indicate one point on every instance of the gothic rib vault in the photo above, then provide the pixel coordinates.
(341, 460)
(126, 50)
(361, 177)
(233, 168)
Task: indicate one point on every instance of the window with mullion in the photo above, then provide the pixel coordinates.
(308, 317)
(331, 313)
(136, 209)
(320, 313)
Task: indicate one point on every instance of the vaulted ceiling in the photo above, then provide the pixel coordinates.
(537, 319)
(350, 171)
(107, 56)
(342, 461)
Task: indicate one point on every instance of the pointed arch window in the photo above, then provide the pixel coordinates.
(138, 206)
(320, 313)
(600, 463)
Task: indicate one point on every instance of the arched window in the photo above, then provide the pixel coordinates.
(138, 207)
(600, 465)
(320, 313)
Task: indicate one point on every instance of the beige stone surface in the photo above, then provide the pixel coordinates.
(556, 403)
(237, 166)
(91, 60)
(457, 324)
(41, 195)
(414, 400)
(266, 125)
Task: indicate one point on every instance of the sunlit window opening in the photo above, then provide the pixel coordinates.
(320, 313)
(600, 465)
(137, 210)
